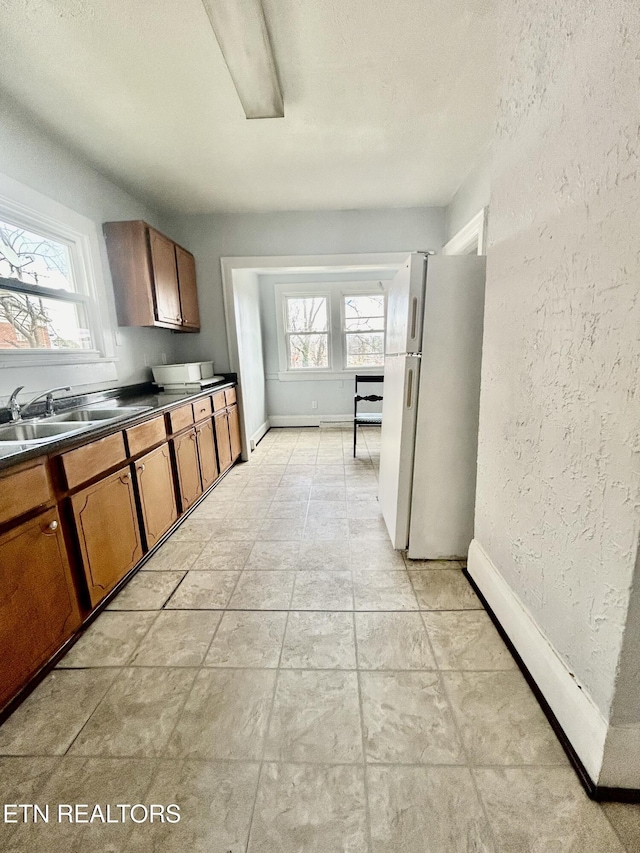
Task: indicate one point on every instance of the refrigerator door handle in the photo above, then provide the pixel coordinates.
(414, 317)
(410, 388)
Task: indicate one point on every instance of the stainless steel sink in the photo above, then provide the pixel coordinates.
(90, 414)
(35, 431)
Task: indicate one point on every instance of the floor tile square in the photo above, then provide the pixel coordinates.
(177, 638)
(269, 556)
(326, 528)
(222, 555)
(137, 715)
(393, 641)
(174, 555)
(310, 809)
(323, 591)
(444, 590)
(50, 718)
(281, 529)
(263, 591)
(324, 556)
(383, 591)
(226, 715)
(216, 802)
(288, 509)
(533, 809)
(316, 718)
(110, 640)
(420, 809)
(499, 720)
(146, 591)
(407, 719)
(248, 639)
(327, 509)
(466, 639)
(319, 641)
(625, 819)
(204, 591)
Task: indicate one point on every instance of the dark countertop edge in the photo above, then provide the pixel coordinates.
(130, 393)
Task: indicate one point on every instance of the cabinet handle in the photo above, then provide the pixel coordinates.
(141, 467)
(52, 526)
(125, 478)
(178, 318)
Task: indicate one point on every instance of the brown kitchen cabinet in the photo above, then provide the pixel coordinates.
(207, 453)
(154, 477)
(108, 532)
(154, 279)
(234, 433)
(188, 466)
(38, 605)
(223, 441)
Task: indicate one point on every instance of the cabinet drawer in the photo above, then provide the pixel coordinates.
(145, 435)
(202, 409)
(230, 396)
(219, 401)
(86, 462)
(180, 418)
(24, 490)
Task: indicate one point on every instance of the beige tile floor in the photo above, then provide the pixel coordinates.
(296, 686)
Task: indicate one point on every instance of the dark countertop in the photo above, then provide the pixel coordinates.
(147, 395)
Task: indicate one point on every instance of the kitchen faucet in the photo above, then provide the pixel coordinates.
(17, 411)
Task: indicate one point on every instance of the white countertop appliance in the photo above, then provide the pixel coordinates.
(190, 376)
(435, 308)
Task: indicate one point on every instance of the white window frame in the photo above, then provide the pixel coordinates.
(358, 292)
(334, 292)
(27, 208)
(284, 334)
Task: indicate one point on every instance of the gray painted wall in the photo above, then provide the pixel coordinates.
(473, 194)
(559, 452)
(32, 156)
(288, 233)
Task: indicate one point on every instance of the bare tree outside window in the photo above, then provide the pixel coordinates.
(39, 307)
(364, 317)
(307, 332)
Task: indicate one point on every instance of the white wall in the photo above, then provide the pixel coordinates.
(30, 155)
(288, 233)
(290, 402)
(559, 447)
(472, 195)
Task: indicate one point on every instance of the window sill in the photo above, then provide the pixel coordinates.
(323, 375)
(23, 358)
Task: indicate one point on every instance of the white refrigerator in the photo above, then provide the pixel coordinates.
(435, 308)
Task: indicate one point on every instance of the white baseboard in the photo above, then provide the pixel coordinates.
(307, 420)
(260, 432)
(581, 720)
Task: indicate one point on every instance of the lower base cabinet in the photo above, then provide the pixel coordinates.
(207, 454)
(108, 532)
(38, 605)
(234, 433)
(188, 466)
(157, 497)
(223, 442)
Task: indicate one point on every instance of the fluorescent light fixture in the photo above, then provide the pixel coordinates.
(241, 31)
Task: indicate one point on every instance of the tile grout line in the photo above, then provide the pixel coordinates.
(362, 738)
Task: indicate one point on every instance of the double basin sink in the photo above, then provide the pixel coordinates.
(24, 434)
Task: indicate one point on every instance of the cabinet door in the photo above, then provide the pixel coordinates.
(157, 497)
(234, 433)
(186, 452)
(207, 453)
(38, 604)
(188, 289)
(223, 441)
(108, 532)
(165, 276)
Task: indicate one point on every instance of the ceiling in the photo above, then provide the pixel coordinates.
(388, 103)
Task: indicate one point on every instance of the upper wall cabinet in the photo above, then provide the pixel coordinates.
(154, 279)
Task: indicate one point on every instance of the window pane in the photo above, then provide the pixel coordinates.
(32, 322)
(306, 314)
(365, 350)
(34, 259)
(308, 351)
(357, 308)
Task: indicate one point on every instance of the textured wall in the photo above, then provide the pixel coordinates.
(559, 455)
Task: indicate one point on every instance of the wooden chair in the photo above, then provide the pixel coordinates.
(365, 418)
